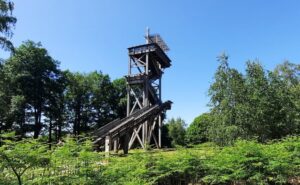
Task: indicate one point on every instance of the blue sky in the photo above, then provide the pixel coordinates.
(95, 34)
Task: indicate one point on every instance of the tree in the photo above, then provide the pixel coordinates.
(260, 104)
(102, 99)
(8, 113)
(197, 132)
(32, 73)
(54, 109)
(296, 100)
(176, 131)
(7, 22)
(17, 114)
(119, 97)
(77, 99)
(92, 100)
(3, 109)
(289, 75)
(288, 72)
(226, 94)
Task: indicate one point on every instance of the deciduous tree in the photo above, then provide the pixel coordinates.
(32, 72)
(7, 22)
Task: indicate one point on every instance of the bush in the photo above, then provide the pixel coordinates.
(197, 132)
(176, 131)
(254, 163)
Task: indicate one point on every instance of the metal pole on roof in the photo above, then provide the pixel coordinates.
(147, 35)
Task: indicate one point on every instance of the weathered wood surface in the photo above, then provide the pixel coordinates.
(118, 128)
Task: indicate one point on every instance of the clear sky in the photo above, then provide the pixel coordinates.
(95, 34)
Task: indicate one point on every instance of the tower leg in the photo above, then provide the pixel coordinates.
(126, 143)
(159, 131)
(116, 145)
(146, 135)
(108, 146)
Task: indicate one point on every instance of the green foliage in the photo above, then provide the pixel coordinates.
(259, 105)
(120, 98)
(71, 157)
(227, 99)
(249, 162)
(73, 162)
(69, 162)
(7, 22)
(244, 161)
(41, 98)
(152, 168)
(20, 156)
(92, 100)
(76, 163)
(197, 132)
(176, 131)
(33, 74)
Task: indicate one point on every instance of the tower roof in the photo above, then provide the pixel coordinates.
(156, 38)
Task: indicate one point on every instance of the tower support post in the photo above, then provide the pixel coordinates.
(108, 145)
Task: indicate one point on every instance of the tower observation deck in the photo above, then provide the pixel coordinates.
(145, 108)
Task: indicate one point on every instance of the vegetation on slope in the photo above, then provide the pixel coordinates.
(71, 162)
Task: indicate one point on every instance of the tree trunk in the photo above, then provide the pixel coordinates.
(37, 128)
(77, 119)
(75, 125)
(50, 133)
(14, 170)
(59, 122)
(19, 179)
(58, 131)
(0, 134)
(36, 125)
(78, 122)
(23, 121)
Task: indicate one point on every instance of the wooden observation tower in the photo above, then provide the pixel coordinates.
(145, 109)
